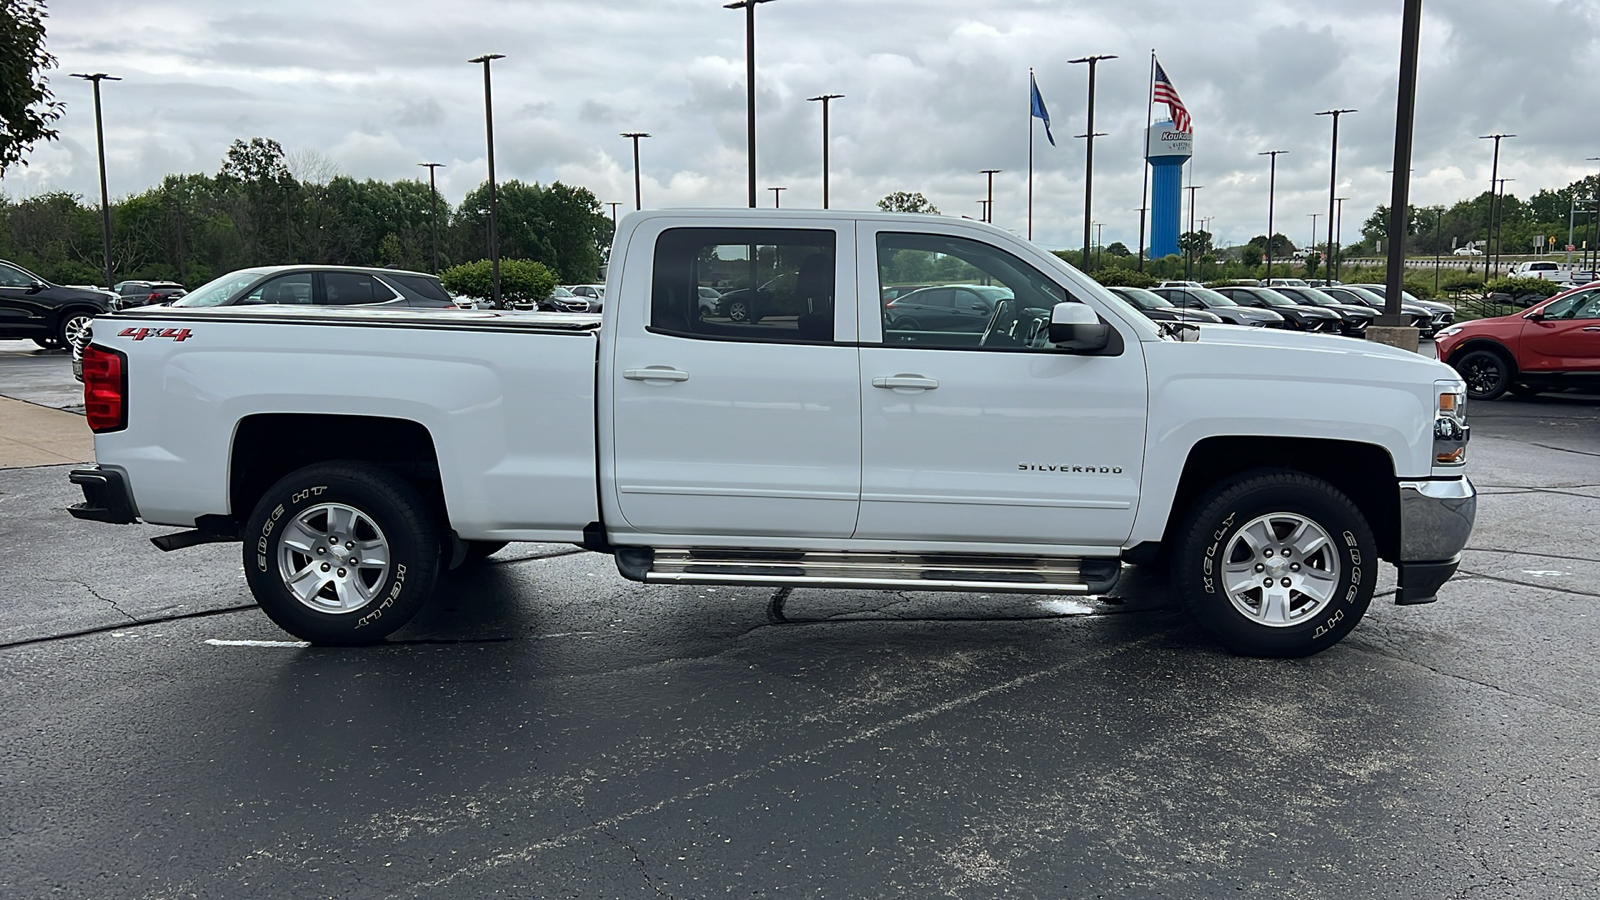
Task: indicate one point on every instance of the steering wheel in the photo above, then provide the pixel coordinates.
(1003, 321)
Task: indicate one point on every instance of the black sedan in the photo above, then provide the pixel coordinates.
(1301, 318)
(1218, 305)
(1157, 308)
(1353, 318)
(1421, 318)
(950, 307)
(1440, 315)
(147, 293)
(52, 315)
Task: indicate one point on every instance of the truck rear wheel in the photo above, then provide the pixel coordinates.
(1277, 564)
(341, 553)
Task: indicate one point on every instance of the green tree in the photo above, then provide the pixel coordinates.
(559, 225)
(27, 109)
(521, 280)
(902, 201)
(1119, 249)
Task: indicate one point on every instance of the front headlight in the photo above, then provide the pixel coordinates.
(1450, 431)
(1453, 329)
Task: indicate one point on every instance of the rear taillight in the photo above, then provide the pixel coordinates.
(105, 389)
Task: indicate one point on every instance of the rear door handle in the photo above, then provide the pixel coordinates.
(655, 373)
(905, 383)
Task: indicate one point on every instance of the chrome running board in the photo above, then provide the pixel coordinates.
(872, 571)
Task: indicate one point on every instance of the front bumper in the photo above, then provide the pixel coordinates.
(1436, 518)
(106, 497)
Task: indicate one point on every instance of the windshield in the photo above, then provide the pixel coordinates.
(1143, 298)
(561, 292)
(1362, 295)
(1272, 298)
(217, 291)
(1210, 297)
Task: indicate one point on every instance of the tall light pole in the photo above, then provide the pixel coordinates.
(1494, 175)
(777, 195)
(613, 204)
(1188, 256)
(1338, 245)
(100, 142)
(1405, 118)
(983, 210)
(494, 202)
(1099, 244)
(1499, 214)
(1088, 162)
(635, 136)
(825, 99)
(433, 210)
(749, 7)
(1596, 200)
(988, 214)
(1333, 173)
(1272, 199)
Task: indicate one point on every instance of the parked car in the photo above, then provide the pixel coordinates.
(1220, 306)
(51, 315)
(558, 300)
(320, 286)
(1421, 317)
(950, 307)
(1466, 251)
(1440, 314)
(1180, 284)
(1353, 318)
(1542, 268)
(1554, 344)
(1159, 309)
(594, 293)
(1276, 473)
(1300, 318)
(145, 293)
(1286, 282)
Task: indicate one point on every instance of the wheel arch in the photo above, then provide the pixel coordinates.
(1483, 343)
(1363, 472)
(268, 446)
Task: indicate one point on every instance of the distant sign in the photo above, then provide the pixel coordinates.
(1164, 141)
(1570, 248)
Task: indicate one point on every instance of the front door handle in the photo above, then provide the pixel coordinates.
(655, 373)
(1592, 328)
(905, 383)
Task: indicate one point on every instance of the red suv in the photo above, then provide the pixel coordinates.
(1554, 344)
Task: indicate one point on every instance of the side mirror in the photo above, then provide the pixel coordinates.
(1535, 316)
(1076, 328)
(36, 287)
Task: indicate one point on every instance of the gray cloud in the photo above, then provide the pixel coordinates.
(936, 90)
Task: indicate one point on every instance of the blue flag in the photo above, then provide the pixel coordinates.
(1039, 112)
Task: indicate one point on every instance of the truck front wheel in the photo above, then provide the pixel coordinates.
(341, 553)
(1276, 563)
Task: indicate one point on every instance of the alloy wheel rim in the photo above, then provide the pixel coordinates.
(1482, 375)
(1281, 569)
(333, 558)
(75, 329)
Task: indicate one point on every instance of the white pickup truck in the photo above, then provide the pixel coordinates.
(1025, 431)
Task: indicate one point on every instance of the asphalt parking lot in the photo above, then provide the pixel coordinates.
(550, 730)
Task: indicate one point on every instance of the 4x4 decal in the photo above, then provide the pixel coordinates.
(139, 334)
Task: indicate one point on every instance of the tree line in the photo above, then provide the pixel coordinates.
(263, 207)
(1431, 229)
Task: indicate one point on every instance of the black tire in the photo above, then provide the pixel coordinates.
(1206, 548)
(1525, 390)
(905, 323)
(1486, 372)
(72, 322)
(374, 603)
(478, 551)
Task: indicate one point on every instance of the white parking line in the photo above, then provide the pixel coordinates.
(218, 643)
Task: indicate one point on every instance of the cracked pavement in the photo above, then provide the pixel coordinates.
(547, 729)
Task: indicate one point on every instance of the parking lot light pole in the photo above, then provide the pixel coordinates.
(1494, 174)
(1188, 255)
(749, 7)
(1338, 245)
(988, 209)
(433, 210)
(1088, 160)
(777, 196)
(1272, 196)
(100, 143)
(613, 204)
(494, 204)
(1333, 170)
(1391, 327)
(825, 99)
(635, 136)
(1596, 202)
(1499, 213)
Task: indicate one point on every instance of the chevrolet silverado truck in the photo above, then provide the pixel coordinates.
(1034, 448)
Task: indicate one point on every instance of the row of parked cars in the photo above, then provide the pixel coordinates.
(1332, 309)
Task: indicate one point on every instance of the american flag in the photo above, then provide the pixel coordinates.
(1166, 93)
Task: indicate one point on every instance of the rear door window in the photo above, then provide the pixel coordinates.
(777, 284)
(353, 289)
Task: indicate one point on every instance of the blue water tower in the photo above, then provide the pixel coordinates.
(1167, 150)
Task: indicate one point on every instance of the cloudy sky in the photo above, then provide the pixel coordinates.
(935, 91)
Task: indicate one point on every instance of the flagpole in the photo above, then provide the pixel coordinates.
(1031, 89)
(1144, 195)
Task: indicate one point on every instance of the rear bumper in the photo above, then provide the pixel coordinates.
(1436, 518)
(106, 496)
